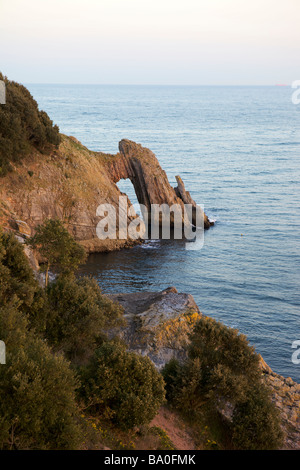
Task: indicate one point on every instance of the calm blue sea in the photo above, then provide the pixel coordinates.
(237, 150)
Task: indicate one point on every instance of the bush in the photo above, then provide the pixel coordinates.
(122, 385)
(78, 315)
(256, 423)
(22, 126)
(17, 279)
(57, 247)
(220, 374)
(37, 390)
(228, 363)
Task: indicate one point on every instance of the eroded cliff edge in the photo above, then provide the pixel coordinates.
(70, 182)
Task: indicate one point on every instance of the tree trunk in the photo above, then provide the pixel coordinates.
(47, 275)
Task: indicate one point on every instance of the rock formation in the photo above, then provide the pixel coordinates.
(71, 182)
(150, 182)
(158, 323)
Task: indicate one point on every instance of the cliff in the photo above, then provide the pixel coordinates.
(70, 182)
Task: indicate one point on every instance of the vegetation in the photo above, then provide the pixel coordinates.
(17, 279)
(78, 316)
(123, 385)
(221, 377)
(57, 247)
(42, 395)
(22, 126)
(255, 422)
(32, 376)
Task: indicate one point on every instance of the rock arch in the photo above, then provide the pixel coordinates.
(150, 181)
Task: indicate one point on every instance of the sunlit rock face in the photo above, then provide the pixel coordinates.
(71, 182)
(158, 323)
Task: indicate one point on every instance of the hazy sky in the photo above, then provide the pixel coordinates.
(200, 42)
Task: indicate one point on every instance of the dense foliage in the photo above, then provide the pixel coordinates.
(57, 247)
(30, 416)
(222, 375)
(123, 385)
(22, 125)
(41, 393)
(78, 315)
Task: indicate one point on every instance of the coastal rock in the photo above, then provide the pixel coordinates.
(150, 182)
(286, 396)
(71, 182)
(158, 323)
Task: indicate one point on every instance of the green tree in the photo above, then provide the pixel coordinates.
(37, 389)
(57, 247)
(17, 279)
(79, 315)
(256, 422)
(220, 374)
(122, 385)
(22, 126)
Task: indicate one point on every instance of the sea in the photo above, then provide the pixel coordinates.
(237, 150)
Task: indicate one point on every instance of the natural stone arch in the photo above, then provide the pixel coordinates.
(149, 180)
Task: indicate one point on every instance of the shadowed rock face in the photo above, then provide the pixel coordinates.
(150, 181)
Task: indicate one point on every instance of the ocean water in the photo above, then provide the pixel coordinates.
(237, 150)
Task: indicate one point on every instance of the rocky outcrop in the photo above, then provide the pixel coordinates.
(150, 182)
(158, 326)
(158, 323)
(70, 183)
(286, 396)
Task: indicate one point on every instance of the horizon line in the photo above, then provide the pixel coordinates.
(157, 84)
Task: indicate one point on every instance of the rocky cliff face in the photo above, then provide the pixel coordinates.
(71, 182)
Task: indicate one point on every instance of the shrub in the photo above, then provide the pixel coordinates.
(57, 247)
(122, 385)
(17, 279)
(228, 363)
(256, 423)
(22, 126)
(78, 315)
(37, 390)
(220, 374)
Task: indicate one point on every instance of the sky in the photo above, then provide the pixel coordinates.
(160, 42)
